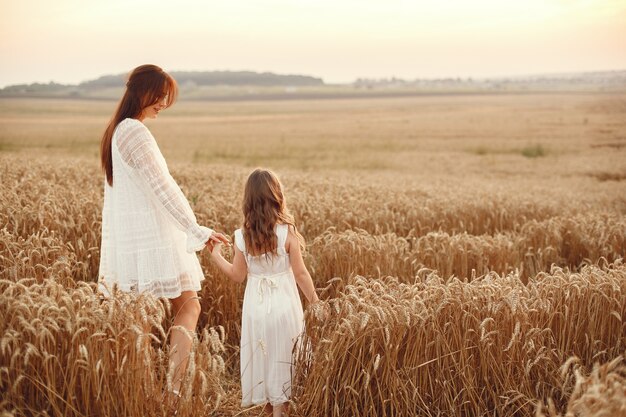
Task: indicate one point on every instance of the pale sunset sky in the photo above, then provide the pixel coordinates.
(70, 41)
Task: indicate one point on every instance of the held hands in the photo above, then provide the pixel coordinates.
(215, 248)
(215, 242)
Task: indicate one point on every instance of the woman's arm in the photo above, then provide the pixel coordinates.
(236, 271)
(301, 274)
(141, 154)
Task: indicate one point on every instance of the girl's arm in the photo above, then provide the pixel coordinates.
(303, 278)
(236, 271)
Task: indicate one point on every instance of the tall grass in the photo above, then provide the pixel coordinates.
(441, 298)
(69, 352)
(492, 346)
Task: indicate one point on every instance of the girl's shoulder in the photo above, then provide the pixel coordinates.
(282, 229)
(239, 240)
(289, 228)
(282, 232)
(285, 230)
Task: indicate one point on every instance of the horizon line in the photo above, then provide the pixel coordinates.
(355, 79)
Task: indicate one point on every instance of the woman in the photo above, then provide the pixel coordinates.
(149, 232)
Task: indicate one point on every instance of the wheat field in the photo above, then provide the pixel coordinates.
(468, 251)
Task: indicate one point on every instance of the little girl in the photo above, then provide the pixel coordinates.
(268, 252)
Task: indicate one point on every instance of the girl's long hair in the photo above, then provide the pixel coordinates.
(146, 86)
(264, 206)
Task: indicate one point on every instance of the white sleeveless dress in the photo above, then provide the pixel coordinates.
(149, 231)
(272, 320)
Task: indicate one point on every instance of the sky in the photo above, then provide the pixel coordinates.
(69, 41)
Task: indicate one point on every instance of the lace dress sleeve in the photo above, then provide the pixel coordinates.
(141, 154)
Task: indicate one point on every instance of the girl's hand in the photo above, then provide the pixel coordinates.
(216, 248)
(320, 310)
(216, 238)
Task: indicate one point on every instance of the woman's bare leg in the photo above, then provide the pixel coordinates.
(186, 313)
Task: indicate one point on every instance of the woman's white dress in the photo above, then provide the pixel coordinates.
(272, 320)
(149, 231)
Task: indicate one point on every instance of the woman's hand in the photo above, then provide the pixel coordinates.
(218, 238)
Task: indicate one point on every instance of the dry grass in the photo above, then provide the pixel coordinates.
(68, 352)
(599, 394)
(492, 346)
(455, 283)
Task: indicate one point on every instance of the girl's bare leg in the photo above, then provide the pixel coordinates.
(280, 410)
(186, 313)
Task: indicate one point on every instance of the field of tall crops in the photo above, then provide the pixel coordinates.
(468, 253)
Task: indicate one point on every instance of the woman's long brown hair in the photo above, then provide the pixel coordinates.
(146, 86)
(264, 206)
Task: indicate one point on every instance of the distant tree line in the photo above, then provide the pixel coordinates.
(206, 78)
(50, 87)
(611, 78)
(108, 86)
(184, 78)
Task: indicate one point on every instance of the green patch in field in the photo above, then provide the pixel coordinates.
(293, 157)
(481, 150)
(484, 150)
(8, 147)
(533, 151)
(74, 147)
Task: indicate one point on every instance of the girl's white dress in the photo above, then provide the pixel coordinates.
(149, 231)
(272, 320)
